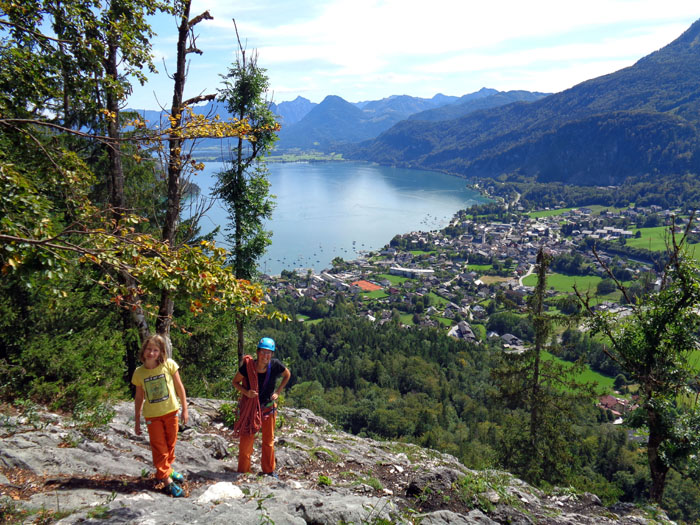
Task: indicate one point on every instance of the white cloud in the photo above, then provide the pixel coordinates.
(375, 48)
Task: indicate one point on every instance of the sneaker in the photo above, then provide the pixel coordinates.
(175, 490)
(272, 475)
(176, 476)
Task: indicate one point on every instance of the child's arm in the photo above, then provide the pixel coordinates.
(180, 389)
(138, 404)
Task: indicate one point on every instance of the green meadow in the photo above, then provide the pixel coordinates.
(436, 300)
(406, 319)
(565, 283)
(653, 239)
(479, 267)
(605, 383)
(393, 279)
(547, 213)
(596, 209)
(376, 294)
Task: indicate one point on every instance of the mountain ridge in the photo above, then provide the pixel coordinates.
(507, 139)
(328, 127)
(334, 123)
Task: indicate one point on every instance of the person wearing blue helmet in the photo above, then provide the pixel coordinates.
(256, 380)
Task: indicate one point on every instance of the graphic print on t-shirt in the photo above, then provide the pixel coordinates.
(156, 388)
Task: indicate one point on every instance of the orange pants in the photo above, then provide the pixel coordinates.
(245, 447)
(162, 433)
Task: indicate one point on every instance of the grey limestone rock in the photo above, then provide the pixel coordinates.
(325, 477)
(445, 517)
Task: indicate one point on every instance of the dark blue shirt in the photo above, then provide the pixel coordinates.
(276, 371)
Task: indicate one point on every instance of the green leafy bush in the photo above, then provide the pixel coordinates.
(228, 414)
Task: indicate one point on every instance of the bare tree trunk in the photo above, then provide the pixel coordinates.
(175, 166)
(117, 201)
(238, 248)
(239, 330)
(172, 215)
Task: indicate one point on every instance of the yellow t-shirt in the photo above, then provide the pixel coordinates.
(158, 388)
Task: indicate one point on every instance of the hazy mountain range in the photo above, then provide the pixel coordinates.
(643, 120)
(336, 122)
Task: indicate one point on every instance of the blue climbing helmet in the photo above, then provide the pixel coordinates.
(267, 343)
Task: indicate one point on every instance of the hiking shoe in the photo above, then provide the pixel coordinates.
(272, 475)
(176, 476)
(175, 490)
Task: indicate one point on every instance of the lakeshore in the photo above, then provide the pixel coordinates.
(326, 210)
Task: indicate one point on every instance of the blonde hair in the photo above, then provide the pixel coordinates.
(162, 345)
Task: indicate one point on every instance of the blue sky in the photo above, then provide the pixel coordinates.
(371, 49)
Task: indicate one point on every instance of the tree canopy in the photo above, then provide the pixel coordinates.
(653, 347)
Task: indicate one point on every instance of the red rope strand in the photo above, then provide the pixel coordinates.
(249, 413)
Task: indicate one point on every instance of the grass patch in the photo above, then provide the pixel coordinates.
(547, 213)
(596, 209)
(324, 480)
(605, 383)
(694, 359)
(653, 239)
(417, 253)
(613, 297)
(479, 331)
(406, 319)
(445, 321)
(565, 283)
(479, 267)
(473, 489)
(393, 279)
(376, 294)
(370, 481)
(436, 300)
(323, 453)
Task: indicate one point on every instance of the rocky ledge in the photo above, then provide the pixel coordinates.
(59, 469)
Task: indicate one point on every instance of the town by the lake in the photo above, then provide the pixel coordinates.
(454, 277)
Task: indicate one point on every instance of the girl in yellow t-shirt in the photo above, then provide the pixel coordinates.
(157, 382)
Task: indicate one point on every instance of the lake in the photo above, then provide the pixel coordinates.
(340, 209)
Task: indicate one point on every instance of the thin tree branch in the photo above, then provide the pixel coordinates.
(36, 33)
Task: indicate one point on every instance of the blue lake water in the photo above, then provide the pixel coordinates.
(339, 209)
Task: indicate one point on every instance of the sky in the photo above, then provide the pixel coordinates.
(371, 49)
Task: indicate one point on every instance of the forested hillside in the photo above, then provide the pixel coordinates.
(570, 136)
(424, 387)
